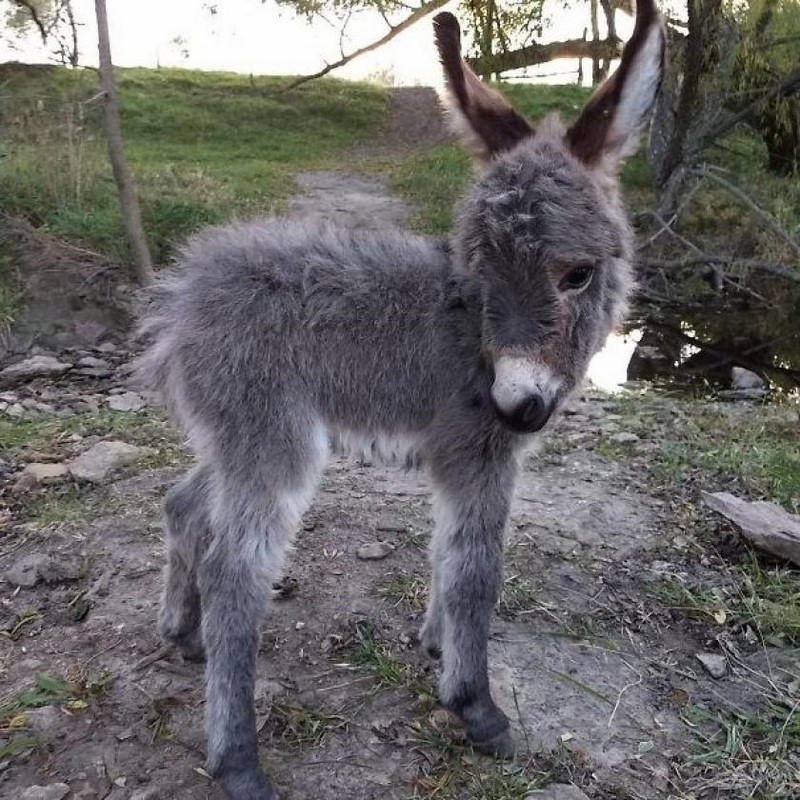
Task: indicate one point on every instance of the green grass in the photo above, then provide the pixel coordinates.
(760, 452)
(202, 146)
(300, 726)
(764, 599)
(72, 693)
(54, 438)
(744, 754)
(376, 657)
(756, 452)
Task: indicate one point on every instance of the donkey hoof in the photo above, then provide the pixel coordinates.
(429, 642)
(432, 650)
(189, 645)
(247, 785)
(501, 745)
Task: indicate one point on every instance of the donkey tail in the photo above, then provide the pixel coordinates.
(154, 368)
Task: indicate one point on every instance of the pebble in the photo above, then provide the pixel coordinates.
(625, 437)
(145, 793)
(36, 474)
(374, 551)
(127, 401)
(714, 664)
(34, 367)
(53, 791)
(100, 461)
(34, 567)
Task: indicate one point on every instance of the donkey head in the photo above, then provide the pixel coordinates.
(542, 229)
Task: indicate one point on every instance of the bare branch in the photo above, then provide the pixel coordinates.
(411, 19)
(536, 53)
(768, 268)
(35, 18)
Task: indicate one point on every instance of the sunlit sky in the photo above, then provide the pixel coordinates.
(251, 36)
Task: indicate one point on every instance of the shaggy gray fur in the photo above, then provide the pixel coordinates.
(274, 339)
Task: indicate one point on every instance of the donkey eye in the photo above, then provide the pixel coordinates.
(577, 278)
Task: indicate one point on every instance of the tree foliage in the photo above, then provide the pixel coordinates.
(52, 20)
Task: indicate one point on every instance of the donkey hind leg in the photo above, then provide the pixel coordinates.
(467, 552)
(255, 511)
(186, 527)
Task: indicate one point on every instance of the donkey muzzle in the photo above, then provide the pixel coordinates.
(528, 417)
(524, 393)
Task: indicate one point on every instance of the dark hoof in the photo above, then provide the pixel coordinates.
(429, 645)
(189, 645)
(247, 785)
(433, 651)
(501, 745)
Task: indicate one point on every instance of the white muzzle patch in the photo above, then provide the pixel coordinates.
(517, 379)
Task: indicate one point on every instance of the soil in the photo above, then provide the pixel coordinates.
(591, 671)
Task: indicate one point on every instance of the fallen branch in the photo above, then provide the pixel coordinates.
(775, 226)
(726, 356)
(394, 30)
(778, 270)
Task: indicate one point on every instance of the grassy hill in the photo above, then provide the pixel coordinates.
(203, 147)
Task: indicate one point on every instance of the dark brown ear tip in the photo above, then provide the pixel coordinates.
(646, 12)
(446, 28)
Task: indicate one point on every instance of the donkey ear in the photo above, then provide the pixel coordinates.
(607, 128)
(483, 118)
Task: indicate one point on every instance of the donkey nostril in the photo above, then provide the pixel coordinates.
(533, 413)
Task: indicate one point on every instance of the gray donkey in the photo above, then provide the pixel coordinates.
(276, 338)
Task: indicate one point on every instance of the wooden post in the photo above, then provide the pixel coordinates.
(128, 203)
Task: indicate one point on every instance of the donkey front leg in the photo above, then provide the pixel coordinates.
(467, 556)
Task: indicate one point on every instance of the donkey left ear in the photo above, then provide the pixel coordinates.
(482, 117)
(607, 128)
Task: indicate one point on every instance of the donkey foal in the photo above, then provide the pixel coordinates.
(275, 339)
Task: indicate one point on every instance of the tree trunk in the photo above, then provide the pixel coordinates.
(129, 205)
(597, 74)
(534, 54)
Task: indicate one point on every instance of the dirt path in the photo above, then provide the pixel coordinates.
(589, 666)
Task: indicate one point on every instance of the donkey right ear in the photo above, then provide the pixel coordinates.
(607, 128)
(483, 118)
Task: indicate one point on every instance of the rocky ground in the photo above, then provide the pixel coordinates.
(620, 648)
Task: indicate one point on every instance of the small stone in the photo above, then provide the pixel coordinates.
(34, 567)
(298, 626)
(100, 461)
(625, 437)
(54, 791)
(374, 551)
(44, 721)
(558, 791)
(37, 474)
(14, 411)
(128, 401)
(35, 367)
(145, 793)
(745, 379)
(26, 572)
(31, 404)
(390, 525)
(715, 665)
(95, 363)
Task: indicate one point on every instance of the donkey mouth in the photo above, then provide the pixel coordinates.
(528, 417)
